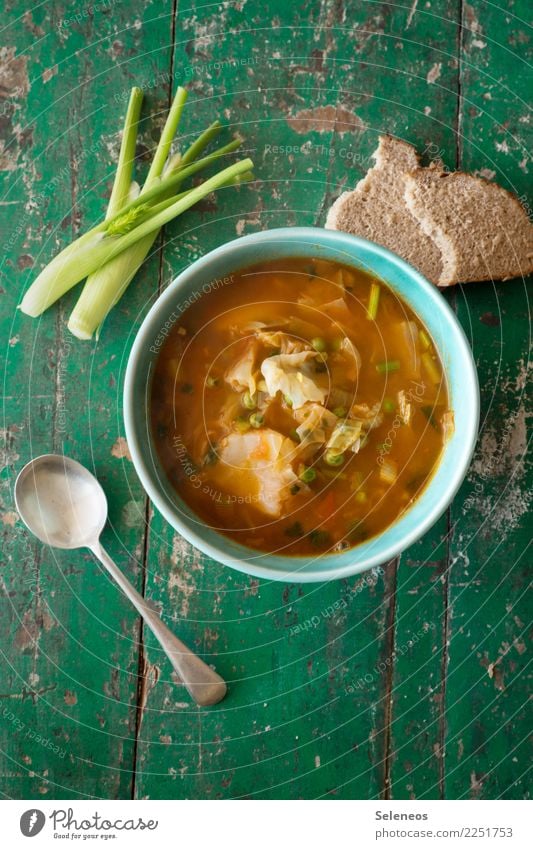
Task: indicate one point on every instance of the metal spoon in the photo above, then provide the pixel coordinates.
(63, 504)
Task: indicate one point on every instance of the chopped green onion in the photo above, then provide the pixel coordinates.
(431, 368)
(319, 344)
(424, 339)
(295, 489)
(249, 401)
(388, 405)
(294, 435)
(333, 459)
(211, 382)
(361, 497)
(340, 412)
(388, 472)
(387, 366)
(307, 474)
(288, 400)
(256, 419)
(373, 301)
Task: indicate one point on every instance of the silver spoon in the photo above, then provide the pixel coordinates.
(63, 504)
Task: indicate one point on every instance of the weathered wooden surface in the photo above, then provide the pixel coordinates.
(407, 684)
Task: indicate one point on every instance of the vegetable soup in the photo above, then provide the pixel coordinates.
(299, 406)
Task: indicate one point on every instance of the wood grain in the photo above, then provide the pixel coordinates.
(406, 683)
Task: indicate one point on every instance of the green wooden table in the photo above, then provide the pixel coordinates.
(407, 685)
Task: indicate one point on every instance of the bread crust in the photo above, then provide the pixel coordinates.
(447, 248)
(518, 267)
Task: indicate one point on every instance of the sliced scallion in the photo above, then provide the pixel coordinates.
(307, 474)
(388, 366)
(373, 301)
(425, 341)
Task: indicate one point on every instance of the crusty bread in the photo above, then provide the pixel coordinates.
(482, 230)
(453, 227)
(376, 209)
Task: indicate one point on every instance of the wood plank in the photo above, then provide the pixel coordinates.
(416, 749)
(487, 687)
(336, 690)
(71, 658)
(307, 711)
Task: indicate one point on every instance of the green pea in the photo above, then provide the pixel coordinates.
(307, 475)
(319, 344)
(333, 459)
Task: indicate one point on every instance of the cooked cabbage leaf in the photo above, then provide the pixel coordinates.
(257, 465)
(241, 375)
(347, 434)
(315, 422)
(286, 343)
(290, 374)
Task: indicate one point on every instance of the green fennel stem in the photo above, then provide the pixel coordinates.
(105, 287)
(42, 291)
(126, 157)
(167, 137)
(95, 248)
(91, 309)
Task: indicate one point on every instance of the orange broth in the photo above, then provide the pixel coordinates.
(299, 406)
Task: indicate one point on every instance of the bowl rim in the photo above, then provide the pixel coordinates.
(462, 352)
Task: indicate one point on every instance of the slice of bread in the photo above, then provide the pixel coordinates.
(482, 230)
(376, 209)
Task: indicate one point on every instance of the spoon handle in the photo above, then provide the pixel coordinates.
(203, 683)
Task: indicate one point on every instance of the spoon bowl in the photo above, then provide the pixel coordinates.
(61, 502)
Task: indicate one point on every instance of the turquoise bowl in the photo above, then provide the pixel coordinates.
(423, 298)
